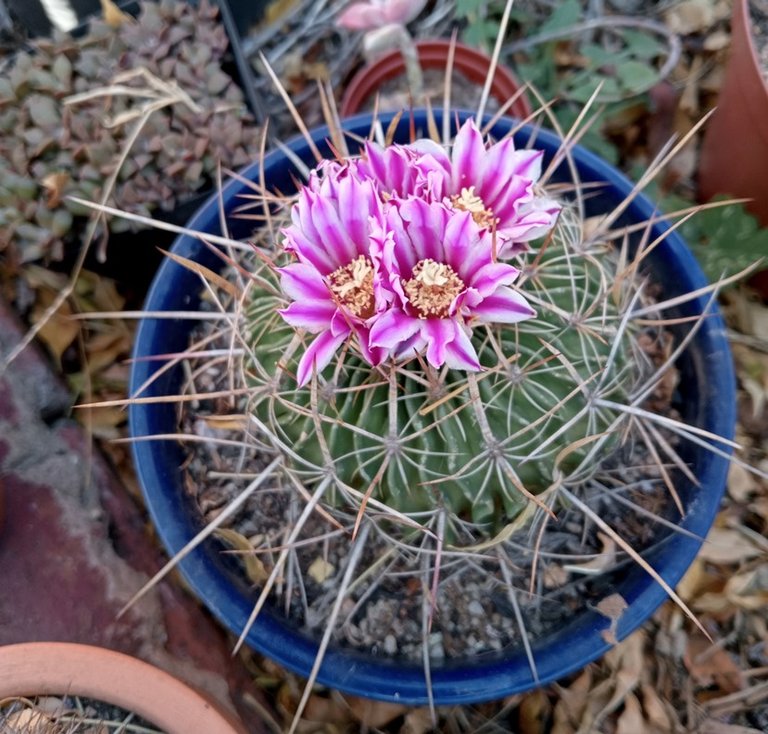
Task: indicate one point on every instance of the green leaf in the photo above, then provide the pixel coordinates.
(465, 8)
(582, 86)
(597, 54)
(635, 76)
(725, 240)
(564, 16)
(643, 45)
(480, 33)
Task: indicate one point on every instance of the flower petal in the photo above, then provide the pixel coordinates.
(461, 243)
(357, 203)
(391, 328)
(333, 238)
(438, 333)
(314, 316)
(302, 282)
(459, 353)
(361, 16)
(318, 355)
(505, 306)
(372, 355)
(425, 225)
(503, 164)
(467, 156)
(492, 275)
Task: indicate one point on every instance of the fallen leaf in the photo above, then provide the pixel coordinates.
(54, 184)
(695, 581)
(113, 16)
(570, 709)
(654, 709)
(59, 330)
(725, 546)
(741, 483)
(374, 714)
(626, 661)
(613, 607)
(604, 560)
(254, 568)
(631, 720)
(320, 570)
(418, 721)
(534, 713)
(234, 422)
(690, 16)
(710, 665)
(717, 41)
(712, 726)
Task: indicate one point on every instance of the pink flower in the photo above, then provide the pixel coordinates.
(365, 16)
(401, 170)
(335, 285)
(496, 186)
(441, 270)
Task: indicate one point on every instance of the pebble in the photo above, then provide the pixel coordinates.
(475, 608)
(390, 645)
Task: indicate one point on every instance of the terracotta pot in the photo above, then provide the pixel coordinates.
(734, 154)
(468, 61)
(62, 668)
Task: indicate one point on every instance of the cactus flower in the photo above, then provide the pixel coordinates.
(333, 286)
(371, 14)
(396, 249)
(441, 269)
(496, 186)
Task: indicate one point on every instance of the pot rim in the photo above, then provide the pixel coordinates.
(433, 54)
(483, 677)
(65, 668)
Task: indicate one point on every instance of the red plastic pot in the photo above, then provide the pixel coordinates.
(734, 154)
(469, 62)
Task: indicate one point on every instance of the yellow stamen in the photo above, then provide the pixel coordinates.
(433, 288)
(352, 285)
(469, 201)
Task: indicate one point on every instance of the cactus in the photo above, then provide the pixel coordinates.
(418, 436)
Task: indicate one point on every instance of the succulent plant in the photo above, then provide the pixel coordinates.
(403, 421)
(50, 149)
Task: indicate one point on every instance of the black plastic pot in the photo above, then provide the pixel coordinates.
(707, 397)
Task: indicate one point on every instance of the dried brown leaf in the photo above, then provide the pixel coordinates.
(631, 720)
(613, 607)
(534, 712)
(54, 184)
(570, 709)
(710, 665)
(727, 545)
(374, 714)
(418, 721)
(712, 726)
(254, 568)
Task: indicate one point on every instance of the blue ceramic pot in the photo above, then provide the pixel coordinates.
(707, 396)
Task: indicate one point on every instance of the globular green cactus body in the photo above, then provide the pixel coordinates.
(417, 438)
